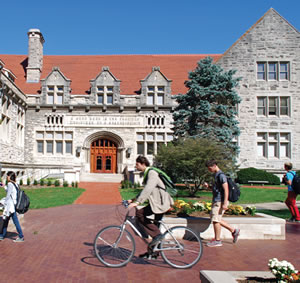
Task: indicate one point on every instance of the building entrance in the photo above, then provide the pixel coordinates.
(103, 156)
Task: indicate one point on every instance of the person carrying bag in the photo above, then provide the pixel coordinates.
(9, 208)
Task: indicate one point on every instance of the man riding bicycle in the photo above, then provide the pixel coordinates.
(159, 202)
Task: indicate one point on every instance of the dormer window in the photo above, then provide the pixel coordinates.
(55, 94)
(155, 95)
(105, 95)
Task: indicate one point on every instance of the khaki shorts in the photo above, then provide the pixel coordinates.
(216, 212)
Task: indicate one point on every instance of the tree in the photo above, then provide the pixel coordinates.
(184, 161)
(208, 109)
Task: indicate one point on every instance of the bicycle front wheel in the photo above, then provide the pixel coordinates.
(181, 247)
(113, 247)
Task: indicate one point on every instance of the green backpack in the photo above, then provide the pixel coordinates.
(169, 185)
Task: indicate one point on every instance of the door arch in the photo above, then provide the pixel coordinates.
(103, 156)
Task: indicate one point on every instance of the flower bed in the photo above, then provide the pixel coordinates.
(202, 209)
(284, 270)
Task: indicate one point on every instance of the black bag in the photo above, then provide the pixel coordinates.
(23, 201)
(234, 190)
(296, 184)
(1, 224)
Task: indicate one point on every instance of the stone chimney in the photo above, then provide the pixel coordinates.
(35, 55)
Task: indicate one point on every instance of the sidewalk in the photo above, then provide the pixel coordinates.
(58, 247)
(271, 205)
(59, 241)
(99, 193)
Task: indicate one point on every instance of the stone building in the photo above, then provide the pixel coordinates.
(87, 116)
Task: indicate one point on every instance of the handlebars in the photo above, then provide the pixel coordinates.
(125, 203)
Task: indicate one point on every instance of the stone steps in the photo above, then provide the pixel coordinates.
(101, 178)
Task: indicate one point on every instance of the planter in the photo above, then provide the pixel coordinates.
(265, 227)
(212, 276)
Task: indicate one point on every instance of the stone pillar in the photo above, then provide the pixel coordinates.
(35, 55)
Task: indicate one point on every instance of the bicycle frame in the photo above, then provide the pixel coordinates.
(123, 226)
(156, 247)
(178, 245)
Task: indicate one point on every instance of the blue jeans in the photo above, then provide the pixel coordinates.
(17, 224)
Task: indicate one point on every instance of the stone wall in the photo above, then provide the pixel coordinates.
(272, 38)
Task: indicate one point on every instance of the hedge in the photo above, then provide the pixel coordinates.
(253, 174)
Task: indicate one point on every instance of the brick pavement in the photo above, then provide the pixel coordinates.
(99, 193)
(58, 247)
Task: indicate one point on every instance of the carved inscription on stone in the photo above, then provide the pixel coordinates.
(104, 121)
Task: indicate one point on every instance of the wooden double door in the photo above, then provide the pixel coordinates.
(103, 156)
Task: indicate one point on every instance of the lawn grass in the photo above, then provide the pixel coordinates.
(248, 195)
(259, 195)
(129, 193)
(282, 213)
(50, 197)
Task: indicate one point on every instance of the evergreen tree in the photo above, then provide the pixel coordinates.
(208, 109)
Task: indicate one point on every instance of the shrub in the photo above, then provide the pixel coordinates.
(126, 184)
(136, 185)
(56, 183)
(35, 182)
(253, 174)
(42, 182)
(49, 183)
(76, 184)
(72, 184)
(21, 182)
(65, 184)
(28, 181)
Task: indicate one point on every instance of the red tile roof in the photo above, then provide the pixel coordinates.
(130, 69)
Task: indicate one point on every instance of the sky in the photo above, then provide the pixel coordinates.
(103, 27)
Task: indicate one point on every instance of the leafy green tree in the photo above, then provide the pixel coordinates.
(208, 109)
(184, 161)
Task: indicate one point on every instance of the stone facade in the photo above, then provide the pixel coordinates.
(12, 122)
(271, 39)
(65, 132)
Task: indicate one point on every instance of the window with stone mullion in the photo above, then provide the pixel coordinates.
(105, 95)
(55, 94)
(155, 95)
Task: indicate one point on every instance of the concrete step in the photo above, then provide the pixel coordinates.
(101, 178)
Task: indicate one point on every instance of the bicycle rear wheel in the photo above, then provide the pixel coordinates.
(112, 248)
(185, 251)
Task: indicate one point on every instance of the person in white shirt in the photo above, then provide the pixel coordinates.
(9, 208)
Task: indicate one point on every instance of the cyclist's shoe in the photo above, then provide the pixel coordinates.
(155, 240)
(149, 256)
(144, 255)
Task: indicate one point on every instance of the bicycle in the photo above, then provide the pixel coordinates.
(180, 246)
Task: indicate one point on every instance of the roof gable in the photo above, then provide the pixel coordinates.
(156, 76)
(270, 16)
(55, 77)
(105, 77)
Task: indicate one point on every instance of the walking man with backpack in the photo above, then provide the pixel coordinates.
(219, 205)
(160, 202)
(292, 196)
(9, 208)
